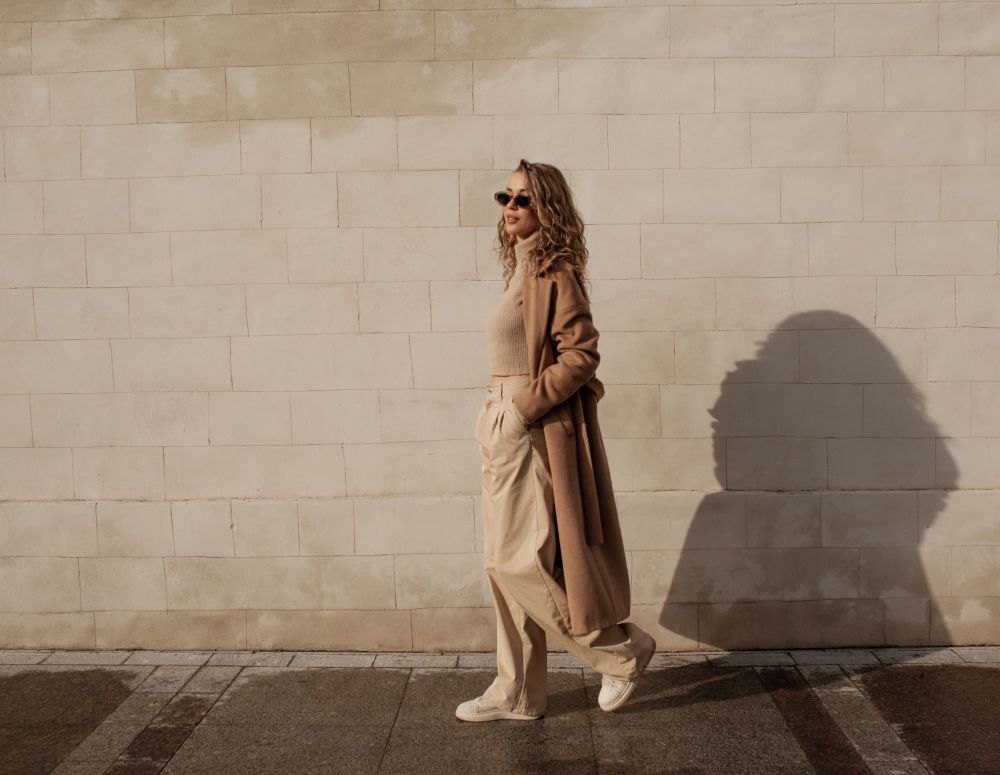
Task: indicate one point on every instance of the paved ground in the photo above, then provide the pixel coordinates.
(881, 711)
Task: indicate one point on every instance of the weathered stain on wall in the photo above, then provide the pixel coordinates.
(246, 249)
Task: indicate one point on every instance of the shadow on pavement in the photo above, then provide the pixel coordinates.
(807, 716)
(44, 715)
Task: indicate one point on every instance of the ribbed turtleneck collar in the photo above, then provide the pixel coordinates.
(523, 247)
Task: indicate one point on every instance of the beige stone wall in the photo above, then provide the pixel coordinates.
(245, 256)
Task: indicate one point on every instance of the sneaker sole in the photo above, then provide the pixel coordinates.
(495, 715)
(635, 681)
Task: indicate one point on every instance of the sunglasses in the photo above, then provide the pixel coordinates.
(521, 200)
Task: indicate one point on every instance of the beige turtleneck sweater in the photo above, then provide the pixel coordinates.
(505, 322)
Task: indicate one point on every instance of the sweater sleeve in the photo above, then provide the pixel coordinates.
(575, 339)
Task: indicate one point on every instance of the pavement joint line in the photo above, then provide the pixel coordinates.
(96, 658)
(748, 657)
(821, 737)
(590, 724)
(110, 723)
(836, 689)
(978, 653)
(254, 658)
(128, 727)
(395, 718)
(921, 655)
(162, 676)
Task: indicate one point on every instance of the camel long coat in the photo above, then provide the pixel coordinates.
(562, 396)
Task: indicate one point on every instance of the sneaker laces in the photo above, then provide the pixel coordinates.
(612, 682)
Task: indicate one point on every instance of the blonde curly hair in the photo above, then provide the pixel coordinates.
(560, 227)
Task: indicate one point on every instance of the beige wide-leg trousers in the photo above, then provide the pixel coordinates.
(520, 544)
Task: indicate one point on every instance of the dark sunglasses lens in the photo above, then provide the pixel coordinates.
(521, 200)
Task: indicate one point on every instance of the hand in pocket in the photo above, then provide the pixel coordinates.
(512, 420)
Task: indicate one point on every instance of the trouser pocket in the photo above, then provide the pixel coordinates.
(511, 426)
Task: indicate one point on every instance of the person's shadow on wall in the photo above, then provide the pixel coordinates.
(831, 473)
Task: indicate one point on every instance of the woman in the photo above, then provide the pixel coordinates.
(553, 550)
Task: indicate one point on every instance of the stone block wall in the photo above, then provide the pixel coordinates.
(246, 249)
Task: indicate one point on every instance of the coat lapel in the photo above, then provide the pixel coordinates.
(536, 303)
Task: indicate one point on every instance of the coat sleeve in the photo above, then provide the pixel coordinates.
(575, 339)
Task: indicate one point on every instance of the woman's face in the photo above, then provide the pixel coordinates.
(519, 221)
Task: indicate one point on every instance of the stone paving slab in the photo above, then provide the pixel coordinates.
(516, 747)
(302, 696)
(751, 658)
(835, 657)
(306, 750)
(981, 654)
(666, 659)
(407, 659)
(872, 736)
(695, 719)
(944, 713)
(168, 678)
(253, 658)
(46, 713)
(168, 657)
(25, 657)
(129, 675)
(923, 656)
(88, 658)
(212, 679)
(334, 659)
(888, 711)
(488, 659)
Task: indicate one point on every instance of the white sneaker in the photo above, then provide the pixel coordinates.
(480, 710)
(616, 691)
